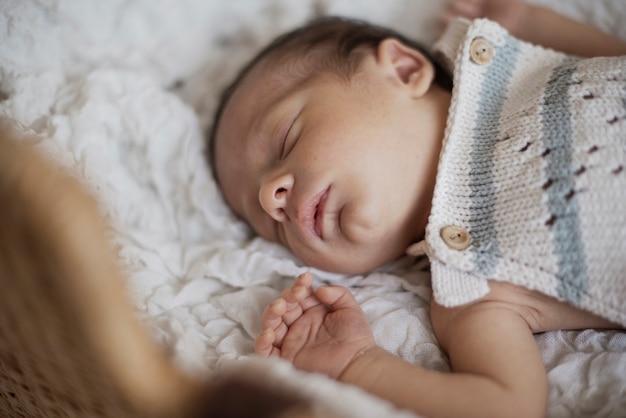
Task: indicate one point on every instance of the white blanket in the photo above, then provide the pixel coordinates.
(120, 91)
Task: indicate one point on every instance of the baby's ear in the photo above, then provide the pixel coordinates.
(411, 67)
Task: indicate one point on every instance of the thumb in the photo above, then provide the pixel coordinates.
(337, 297)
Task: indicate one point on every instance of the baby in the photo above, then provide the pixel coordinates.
(346, 143)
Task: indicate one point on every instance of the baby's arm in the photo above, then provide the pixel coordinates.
(497, 367)
(541, 26)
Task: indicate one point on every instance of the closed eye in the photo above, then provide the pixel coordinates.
(285, 139)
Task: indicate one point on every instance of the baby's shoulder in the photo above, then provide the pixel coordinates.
(541, 312)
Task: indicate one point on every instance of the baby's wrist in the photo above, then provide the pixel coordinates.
(363, 368)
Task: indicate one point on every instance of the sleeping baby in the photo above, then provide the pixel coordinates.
(501, 160)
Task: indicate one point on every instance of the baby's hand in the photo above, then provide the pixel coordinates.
(510, 14)
(320, 331)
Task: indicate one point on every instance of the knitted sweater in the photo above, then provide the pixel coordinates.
(531, 185)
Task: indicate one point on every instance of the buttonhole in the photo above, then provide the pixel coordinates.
(551, 221)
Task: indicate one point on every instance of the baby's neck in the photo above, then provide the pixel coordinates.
(436, 106)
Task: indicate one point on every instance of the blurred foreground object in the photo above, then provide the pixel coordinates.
(71, 344)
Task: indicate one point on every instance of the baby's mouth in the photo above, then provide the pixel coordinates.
(318, 217)
(311, 216)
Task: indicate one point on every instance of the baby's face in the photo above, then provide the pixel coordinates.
(336, 171)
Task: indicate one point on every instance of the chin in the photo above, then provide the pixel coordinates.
(356, 263)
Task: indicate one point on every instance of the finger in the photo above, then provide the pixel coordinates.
(272, 316)
(305, 280)
(337, 297)
(264, 344)
(299, 297)
(293, 299)
(301, 288)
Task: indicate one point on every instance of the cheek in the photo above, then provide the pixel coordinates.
(341, 148)
(263, 228)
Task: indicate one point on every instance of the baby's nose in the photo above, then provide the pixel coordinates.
(274, 195)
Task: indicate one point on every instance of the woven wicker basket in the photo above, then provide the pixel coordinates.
(70, 341)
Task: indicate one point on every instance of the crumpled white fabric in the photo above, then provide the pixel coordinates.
(120, 93)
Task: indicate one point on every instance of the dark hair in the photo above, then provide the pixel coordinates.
(338, 45)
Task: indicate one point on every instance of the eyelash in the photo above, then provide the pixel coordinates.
(282, 148)
(285, 137)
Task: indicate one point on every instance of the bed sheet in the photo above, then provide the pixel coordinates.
(121, 91)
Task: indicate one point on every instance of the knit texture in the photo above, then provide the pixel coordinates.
(533, 167)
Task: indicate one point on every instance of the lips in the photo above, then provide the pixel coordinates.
(312, 214)
(319, 214)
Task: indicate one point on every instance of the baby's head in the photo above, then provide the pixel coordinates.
(328, 142)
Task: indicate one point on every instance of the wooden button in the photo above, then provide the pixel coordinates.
(455, 237)
(481, 51)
